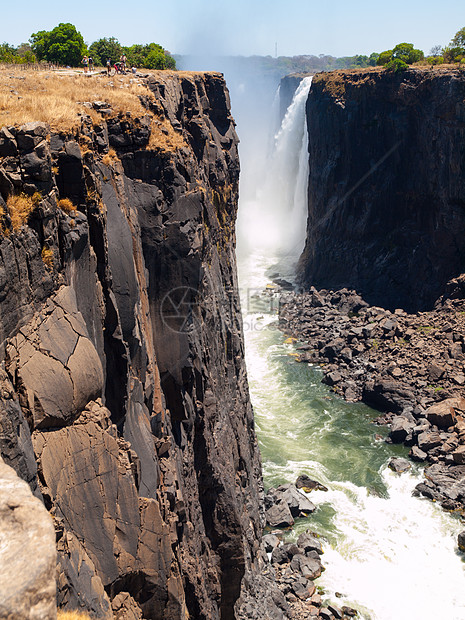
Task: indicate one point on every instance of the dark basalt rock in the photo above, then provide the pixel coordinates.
(143, 441)
(365, 133)
(399, 465)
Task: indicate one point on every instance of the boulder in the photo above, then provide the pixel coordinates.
(284, 553)
(459, 455)
(310, 568)
(388, 395)
(27, 553)
(307, 542)
(299, 505)
(307, 484)
(279, 515)
(399, 465)
(270, 542)
(461, 541)
(417, 454)
(429, 440)
(337, 613)
(400, 428)
(443, 414)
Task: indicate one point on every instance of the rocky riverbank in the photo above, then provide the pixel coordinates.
(294, 566)
(408, 366)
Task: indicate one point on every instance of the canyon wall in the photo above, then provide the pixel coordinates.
(124, 400)
(386, 213)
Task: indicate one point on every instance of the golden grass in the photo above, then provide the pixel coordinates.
(163, 136)
(72, 615)
(55, 97)
(20, 207)
(47, 256)
(66, 205)
(109, 158)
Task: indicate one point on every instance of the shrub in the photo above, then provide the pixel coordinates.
(396, 65)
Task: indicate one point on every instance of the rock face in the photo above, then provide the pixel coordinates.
(386, 185)
(27, 552)
(124, 400)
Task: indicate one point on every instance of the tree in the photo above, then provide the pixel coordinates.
(150, 56)
(459, 39)
(453, 54)
(407, 53)
(436, 50)
(63, 45)
(169, 61)
(7, 53)
(105, 48)
(373, 59)
(384, 57)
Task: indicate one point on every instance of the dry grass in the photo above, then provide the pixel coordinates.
(110, 158)
(47, 256)
(163, 136)
(55, 97)
(72, 615)
(20, 208)
(66, 205)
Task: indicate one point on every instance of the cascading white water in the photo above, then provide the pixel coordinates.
(392, 556)
(274, 218)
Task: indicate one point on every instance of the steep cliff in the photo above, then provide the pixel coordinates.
(124, 399)
(386, 184)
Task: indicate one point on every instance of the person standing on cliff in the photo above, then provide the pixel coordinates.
(108, 66)
(85, 62)
(91, 64)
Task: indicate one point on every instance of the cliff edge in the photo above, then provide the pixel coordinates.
(386, 184)
(124, 400)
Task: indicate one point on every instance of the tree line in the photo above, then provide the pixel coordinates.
(64, 45)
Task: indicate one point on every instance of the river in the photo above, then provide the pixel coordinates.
(389, 554)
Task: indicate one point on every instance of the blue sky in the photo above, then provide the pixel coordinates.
(246, 26)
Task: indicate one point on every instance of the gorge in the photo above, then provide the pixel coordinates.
(125, 401)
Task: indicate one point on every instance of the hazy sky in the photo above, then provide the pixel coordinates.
(245, 26)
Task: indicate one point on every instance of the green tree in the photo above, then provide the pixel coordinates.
(373, 59)
(105, 48)
(459, 39)
(170, 61)
(407, 53)
(384, 58)
(63, 45)
(150, 56)
(397, 65)
(453, 54)
(7, 53)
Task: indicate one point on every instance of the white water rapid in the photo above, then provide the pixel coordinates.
(390, 555)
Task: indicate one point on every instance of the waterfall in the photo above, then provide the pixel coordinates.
(391, 555)
(274, 219)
